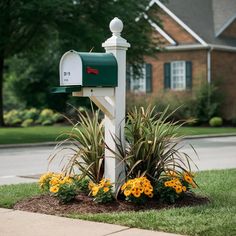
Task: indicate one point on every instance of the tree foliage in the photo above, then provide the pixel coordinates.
(37, 33)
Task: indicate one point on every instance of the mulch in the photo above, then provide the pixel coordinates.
(84, 204)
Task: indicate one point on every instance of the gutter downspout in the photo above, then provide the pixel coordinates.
(209, 75)
(209, 65)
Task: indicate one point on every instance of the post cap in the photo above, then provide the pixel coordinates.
(116, 26)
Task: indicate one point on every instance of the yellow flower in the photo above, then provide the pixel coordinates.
(91, 185)
(127, 192)
(178, 189)
(188, 178)
(184, 188)
(95, 190)
(137, 193)
(150, 195)
(54, 181)
(105, 189)
(123, 186)
(167, 184)
(147, 191)
(54, 189)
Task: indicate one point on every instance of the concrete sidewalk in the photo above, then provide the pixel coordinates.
(20, 223)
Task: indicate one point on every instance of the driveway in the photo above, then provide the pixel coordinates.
(26, 164)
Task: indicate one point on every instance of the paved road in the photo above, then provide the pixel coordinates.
(214, 153)
(18, 164)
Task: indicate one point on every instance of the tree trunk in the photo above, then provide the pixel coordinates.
(1, 90)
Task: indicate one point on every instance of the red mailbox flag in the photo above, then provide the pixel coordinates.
(92, 71)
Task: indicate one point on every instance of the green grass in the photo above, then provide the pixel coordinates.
(207, 130)
(10, 194)
(31, 134)
(50, 133)
(216, 218)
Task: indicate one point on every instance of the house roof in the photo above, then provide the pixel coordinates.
(206, 18)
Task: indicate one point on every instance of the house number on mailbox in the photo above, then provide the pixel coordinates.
(66, 74)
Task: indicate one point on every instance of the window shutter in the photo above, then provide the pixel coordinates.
(167, 75)
(148, 78)
(128, 77)
(188, 74)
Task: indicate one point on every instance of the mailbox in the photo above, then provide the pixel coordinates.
(79, 70)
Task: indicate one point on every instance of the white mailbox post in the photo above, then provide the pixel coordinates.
(115, 126)
(102, 78)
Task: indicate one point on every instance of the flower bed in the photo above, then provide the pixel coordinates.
(156, 171)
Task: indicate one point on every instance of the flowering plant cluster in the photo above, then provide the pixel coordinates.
(174, 186)
(102, 192)
(137, 190)
(60, 185)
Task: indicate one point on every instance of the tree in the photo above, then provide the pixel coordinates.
(28, 28)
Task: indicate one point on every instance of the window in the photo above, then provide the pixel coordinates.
(178, 75)
(142, 84)
(178, 81)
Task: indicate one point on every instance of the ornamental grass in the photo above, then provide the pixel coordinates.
(154, 165)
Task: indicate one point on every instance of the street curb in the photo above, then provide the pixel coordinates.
(208, 136)
(50, 144)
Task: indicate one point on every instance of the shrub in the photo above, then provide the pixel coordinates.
(13, 118)
(24, 117)
(216, 122)
(207, 103)
(234, 121)
(57, 117)
(102, 192)
(151, 153)
(32, 113)
(83, 185)
(173, 186)
(87, 147)
(152, 145)
(47, 122)
(46, 117)
(27, 122)
(64, 187)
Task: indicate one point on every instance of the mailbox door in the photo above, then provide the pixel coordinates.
(99, 69)
(70, 69)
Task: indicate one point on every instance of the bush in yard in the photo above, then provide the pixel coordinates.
(62, 186)
(152, 152)
(207, 103)
(32, 113)
(27, 122)
(216, 122)
(173, 186)
(29, 117)
(152, 146)
(102, 192)
(87, 150)
(13, 118)
(234, 121)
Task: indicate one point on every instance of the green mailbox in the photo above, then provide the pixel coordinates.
(78, 70)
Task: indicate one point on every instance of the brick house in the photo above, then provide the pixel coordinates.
(199, 41)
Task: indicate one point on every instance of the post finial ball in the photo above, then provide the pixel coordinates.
(116, 25)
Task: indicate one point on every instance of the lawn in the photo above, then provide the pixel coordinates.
(50, 133)
(31, 134)
(217, 218)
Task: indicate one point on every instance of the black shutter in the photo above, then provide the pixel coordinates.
(167, 75)
(188, 74)
(128, 77)
(148, 78)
